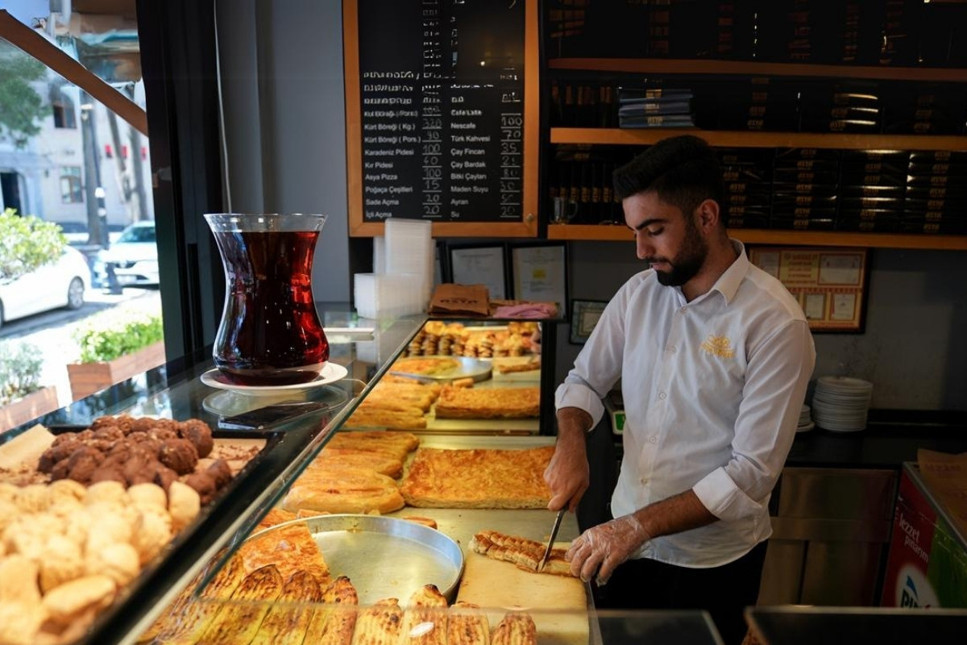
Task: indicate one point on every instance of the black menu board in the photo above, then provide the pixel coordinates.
(441, 110)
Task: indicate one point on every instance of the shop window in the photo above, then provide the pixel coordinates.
(71, 191)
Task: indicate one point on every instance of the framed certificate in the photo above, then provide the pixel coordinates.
(540, 273)
(829, 283)
(480, 264)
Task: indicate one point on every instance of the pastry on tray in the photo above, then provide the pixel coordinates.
(478, 478)
(489, 403)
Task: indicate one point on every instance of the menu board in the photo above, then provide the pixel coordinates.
(436, 94)
(830, 284)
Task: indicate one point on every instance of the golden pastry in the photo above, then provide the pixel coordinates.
(120, 562)
(147, 493)
(63, 562)
(20, 622)
(184, 504)
(67, 602)
(67, 488)
(34, 498)
(106, 491)
(467, 625)
(154, 532)
(18, 579)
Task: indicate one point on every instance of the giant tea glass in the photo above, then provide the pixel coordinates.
(270, 333)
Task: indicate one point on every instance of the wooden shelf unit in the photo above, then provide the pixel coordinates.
(759, 139)
(752, 139)
(755, 68)
(617, 233)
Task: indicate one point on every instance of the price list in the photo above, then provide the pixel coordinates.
(442, 109)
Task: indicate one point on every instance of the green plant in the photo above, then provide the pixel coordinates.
(107, 338)
(20, 367)
(21, 107)
(27, 242)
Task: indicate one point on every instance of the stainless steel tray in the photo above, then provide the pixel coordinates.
(384, 557)
(475, 368)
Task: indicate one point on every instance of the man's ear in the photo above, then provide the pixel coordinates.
(708, 215)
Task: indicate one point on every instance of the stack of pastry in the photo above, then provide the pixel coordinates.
(439, 339)
(395, 402)
(354, 473)
(67, 551)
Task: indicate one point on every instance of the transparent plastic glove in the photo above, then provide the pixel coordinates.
(600, 549)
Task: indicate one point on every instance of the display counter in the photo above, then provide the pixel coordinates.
(284, 431)
(292, 427)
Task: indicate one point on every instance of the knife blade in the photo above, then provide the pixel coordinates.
(550, 541)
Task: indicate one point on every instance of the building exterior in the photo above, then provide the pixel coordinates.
(84, 163)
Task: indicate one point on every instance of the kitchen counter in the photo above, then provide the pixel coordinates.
(891, 438)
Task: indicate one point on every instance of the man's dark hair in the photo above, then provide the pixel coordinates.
(683, 170)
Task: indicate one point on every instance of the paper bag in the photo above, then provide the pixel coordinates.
(464, 299)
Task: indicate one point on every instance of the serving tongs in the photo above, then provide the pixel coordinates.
(550, 540)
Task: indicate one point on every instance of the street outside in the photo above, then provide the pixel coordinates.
(53, 332)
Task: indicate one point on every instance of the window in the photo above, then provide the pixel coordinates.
(70, 185)
(64, 114)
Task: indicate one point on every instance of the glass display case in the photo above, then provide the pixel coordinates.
(284, 428)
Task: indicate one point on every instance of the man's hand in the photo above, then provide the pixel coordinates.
(600, 549)
(568, 474)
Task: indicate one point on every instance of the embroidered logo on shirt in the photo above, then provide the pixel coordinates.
(718, 346)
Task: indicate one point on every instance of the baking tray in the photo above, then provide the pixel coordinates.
(475, 368)
(384, 557)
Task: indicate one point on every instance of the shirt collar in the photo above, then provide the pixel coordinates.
(728, 283)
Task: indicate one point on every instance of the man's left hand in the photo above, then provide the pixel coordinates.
(600, 549)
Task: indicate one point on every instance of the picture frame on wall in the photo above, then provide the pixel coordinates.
(484, 264)
(539, 273)
(830, 284)
(584, 316)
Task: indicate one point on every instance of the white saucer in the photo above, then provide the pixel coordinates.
(330, 372)
(807, 427)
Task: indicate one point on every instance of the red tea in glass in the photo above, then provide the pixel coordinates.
(270, 333)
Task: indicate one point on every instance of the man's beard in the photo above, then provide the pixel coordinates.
(689, 260)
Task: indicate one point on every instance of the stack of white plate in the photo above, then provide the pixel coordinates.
(805, 420)
(841, 403)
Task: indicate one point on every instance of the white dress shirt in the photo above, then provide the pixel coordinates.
(712, 391)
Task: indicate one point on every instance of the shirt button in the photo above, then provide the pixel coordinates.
(662, 396)
(652, 439)
(644, 480)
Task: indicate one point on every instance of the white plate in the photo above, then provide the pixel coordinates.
(330, 373)
(806, 428)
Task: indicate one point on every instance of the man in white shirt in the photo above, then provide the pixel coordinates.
(714, 357)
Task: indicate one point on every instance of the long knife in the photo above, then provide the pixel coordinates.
(550, 541)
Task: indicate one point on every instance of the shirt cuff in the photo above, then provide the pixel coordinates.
(723, 499)
(573, 395)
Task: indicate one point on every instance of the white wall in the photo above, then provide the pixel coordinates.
(913, 349)
(290, 86)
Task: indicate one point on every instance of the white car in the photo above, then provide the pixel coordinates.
(59, 284)
(134, 257)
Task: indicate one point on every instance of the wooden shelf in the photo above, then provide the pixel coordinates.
(742, 139)
(616, 233)
(754, 68)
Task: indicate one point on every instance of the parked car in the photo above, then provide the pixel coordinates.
(133, 257)
(59, 284)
